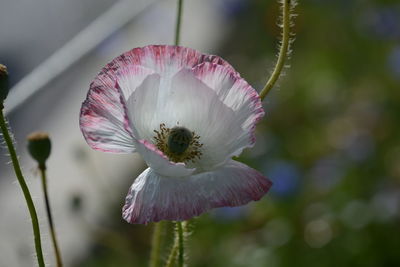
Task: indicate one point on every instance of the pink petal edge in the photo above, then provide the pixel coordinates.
(153, 198)
(103, 121)
(230, 79)
(159, 56)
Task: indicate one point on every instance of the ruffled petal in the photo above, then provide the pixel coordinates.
(152, 197)
(159, 163)
(166, 60)
(103, 120)
(237, 94)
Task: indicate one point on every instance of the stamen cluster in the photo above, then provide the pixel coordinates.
(178, 143)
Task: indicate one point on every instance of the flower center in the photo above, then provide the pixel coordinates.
(178, 144)
(179, 140)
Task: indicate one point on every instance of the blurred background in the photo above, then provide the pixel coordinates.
(329, 141)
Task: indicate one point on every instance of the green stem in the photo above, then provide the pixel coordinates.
(172, 256)
(50, 217)
(181, 254)
(24, 187)
(178, 22)
(178, 248)
(156, 244)
(283, 51)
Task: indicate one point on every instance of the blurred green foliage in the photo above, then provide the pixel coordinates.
(330, 141)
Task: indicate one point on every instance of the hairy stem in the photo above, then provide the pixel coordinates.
(50, 216)
(181, 247)
(172, 256)
(283, 51)
(178, 249)
(24, 187)
(156, 244)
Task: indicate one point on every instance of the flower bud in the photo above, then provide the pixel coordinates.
(3, 83)
(39, 147)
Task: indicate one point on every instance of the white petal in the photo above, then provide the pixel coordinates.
(142, 105)
(156, 160)
(237, 94)
(192, 104)
(152, 197)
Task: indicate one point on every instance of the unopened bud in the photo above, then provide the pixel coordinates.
(39, 146)
(3, 83)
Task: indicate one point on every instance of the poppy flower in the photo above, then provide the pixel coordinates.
(187, 114)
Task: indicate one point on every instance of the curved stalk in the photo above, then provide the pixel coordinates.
(283, 51)
(24, 187)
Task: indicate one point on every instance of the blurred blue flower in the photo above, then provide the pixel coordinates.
(384, 22)
(232, 8)
(285, 177)
(333, 3)
(327, 172)
(228, 214)
(360, 147)
(385, 204)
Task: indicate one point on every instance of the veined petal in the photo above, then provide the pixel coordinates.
(153, 197)
(192, 104)
(237, 94)
(166, 60)
(159, 163)
(131, 77)
(141, 104)
(103, 120)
